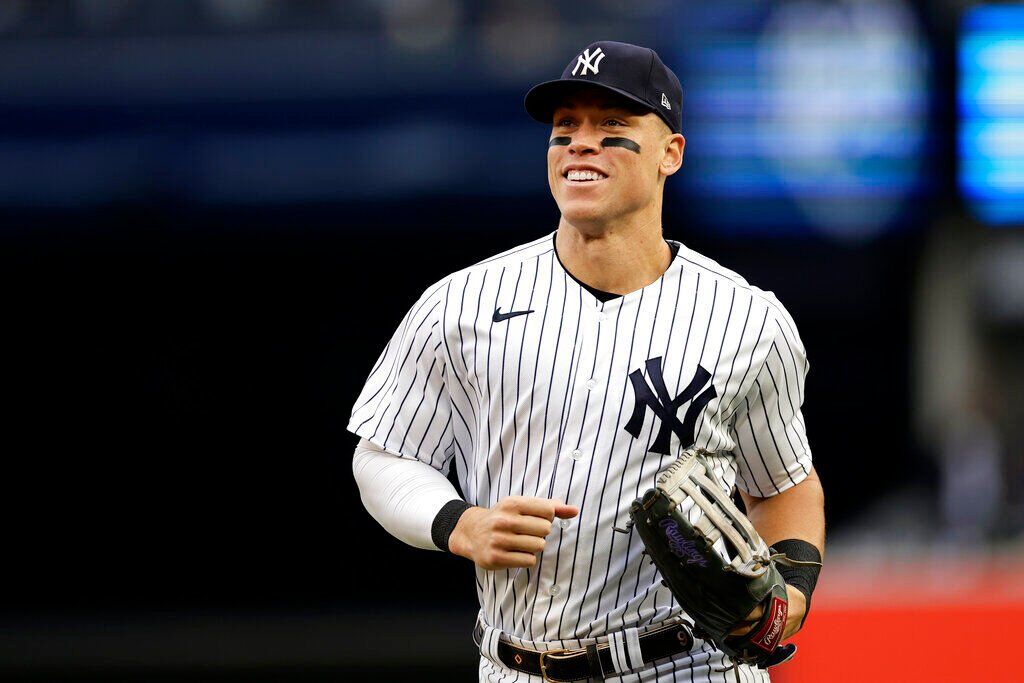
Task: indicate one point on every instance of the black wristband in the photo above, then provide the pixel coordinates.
(804, 577)
(445, 521)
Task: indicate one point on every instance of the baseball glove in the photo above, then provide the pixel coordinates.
(717, 567)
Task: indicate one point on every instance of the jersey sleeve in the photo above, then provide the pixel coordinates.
(772, 452)
(405, 407)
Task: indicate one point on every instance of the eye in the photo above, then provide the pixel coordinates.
(563, 122)
(614, 122)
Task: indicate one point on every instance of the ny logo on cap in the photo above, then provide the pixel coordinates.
(588, 61)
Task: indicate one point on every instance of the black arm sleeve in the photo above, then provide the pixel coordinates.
(802, 578)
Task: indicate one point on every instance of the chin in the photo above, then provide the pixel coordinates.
(584, 209)
(582, 213)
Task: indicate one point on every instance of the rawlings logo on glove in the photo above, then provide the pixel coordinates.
(680, 545)
(770, 635)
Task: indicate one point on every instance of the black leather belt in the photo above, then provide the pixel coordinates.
(594, 661)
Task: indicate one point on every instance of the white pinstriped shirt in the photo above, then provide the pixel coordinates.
(543, 403)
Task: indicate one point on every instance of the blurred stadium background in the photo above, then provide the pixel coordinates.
(213, 213)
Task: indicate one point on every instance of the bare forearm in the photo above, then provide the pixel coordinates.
(798, 512)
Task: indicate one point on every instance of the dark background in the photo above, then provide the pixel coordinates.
(180, 391)
(180, 350)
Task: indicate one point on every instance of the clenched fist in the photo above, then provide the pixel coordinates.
(510, 534)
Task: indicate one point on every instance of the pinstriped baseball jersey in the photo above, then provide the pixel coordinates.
(514, 373)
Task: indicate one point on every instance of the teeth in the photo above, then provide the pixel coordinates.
(585, 175)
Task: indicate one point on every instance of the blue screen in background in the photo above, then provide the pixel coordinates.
(805, 117)
(991, 105)
(802, 117)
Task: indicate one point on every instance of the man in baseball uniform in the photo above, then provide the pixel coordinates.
(561, 376)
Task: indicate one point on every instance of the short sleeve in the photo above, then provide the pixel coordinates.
(772, 452)
(404, 406)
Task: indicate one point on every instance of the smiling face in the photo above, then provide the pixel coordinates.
(597, 181)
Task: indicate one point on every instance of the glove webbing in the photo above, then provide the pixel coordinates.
(688, 478)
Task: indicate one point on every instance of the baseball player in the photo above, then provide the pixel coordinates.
(560, 376)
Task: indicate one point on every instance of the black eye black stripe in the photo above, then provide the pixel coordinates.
(625, 143)
(562, 140)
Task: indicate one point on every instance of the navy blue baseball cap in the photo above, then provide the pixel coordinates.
(634, 72)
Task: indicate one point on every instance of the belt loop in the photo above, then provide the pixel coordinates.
(624, 647)
(617, 649)
(594, 661)
(632, 638)
(488, 640)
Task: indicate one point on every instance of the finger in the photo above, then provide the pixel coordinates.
(508, 542)
(742, 629)
(522, 543)
(530, 525)
(537, 507)
(514, 559)
(563, 511)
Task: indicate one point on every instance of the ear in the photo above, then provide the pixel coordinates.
(672, 157)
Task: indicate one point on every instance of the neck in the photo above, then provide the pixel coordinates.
(618, 259)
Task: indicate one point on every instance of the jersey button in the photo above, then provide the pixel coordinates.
(591, 384)
(554, 589)
(565, 523)
(601, 317)
(577, 454)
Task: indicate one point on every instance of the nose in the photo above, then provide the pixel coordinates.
(585, 140)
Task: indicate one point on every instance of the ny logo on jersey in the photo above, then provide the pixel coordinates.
(588, 61)
(665, 407)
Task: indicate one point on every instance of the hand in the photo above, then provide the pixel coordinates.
(510, 534)
(797, 609)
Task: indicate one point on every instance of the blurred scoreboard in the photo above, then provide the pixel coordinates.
(990, 100)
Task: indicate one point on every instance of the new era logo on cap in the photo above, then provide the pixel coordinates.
(631, 71)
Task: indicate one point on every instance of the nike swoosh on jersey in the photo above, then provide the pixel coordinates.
(499, 316)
